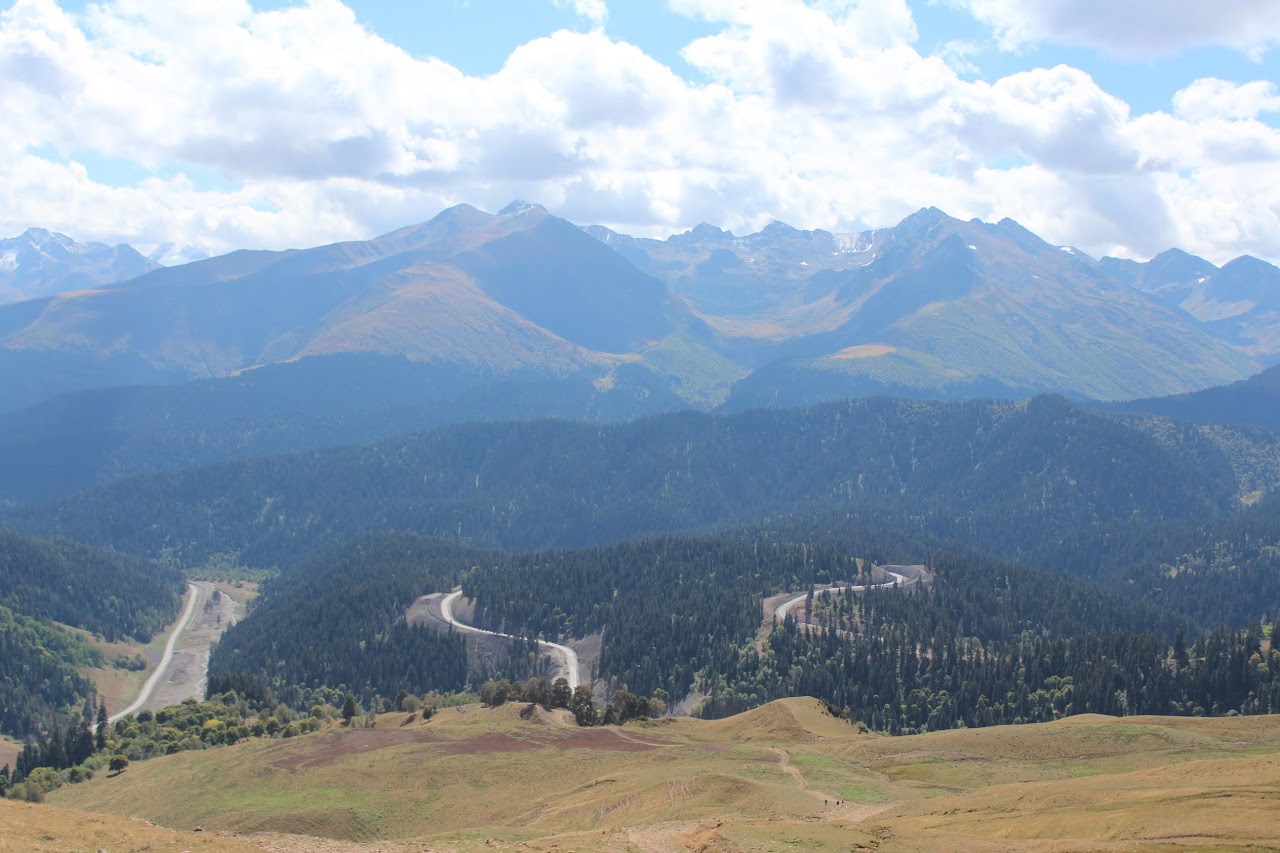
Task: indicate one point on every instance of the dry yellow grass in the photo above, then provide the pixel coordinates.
(28, 828)
(785, 776)
(801, 720)
(9, 750)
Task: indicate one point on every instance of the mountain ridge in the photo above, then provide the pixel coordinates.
(39, 263)
(934, 307)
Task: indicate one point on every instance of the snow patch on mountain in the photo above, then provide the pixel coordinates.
(855, 244)
(172, 255)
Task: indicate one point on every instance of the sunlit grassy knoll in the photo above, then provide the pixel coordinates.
(783, 777)
(28, 828)
(1219, 804)
(469, 770)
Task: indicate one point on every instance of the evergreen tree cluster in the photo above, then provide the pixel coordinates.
(103, 592)
(74, 751)
(622, 708)
(904, 675)
(1221, 571)
(338, 621)
(676, 609)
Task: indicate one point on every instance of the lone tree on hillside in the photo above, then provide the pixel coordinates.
(118, 763)
(349, 709)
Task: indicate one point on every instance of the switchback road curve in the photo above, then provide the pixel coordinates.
(568, 656)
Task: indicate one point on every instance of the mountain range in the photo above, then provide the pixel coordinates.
(42, 263)
(934, 307)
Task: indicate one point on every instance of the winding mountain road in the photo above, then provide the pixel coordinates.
(149, 687)
(569, 658)
(780, 612)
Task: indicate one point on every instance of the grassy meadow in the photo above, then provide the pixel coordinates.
(785, 776)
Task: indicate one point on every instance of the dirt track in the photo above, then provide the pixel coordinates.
(183, 667)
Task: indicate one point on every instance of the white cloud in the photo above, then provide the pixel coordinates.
(1211, 98)
(594, 11)
(820, 114)
(1133, 27)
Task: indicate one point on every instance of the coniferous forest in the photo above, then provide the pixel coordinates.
(984, 642)
(1078, 562)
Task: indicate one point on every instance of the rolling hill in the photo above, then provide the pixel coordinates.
(784, 776)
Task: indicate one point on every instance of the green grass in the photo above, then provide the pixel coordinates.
(459, 783)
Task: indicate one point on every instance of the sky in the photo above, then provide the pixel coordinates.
(1122, 127)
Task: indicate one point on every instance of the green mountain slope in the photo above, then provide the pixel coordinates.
(953, 309)
(43, 582)
(1255, 400)
(977, 470)
(933, 307)
(467, 290)
(100, 591)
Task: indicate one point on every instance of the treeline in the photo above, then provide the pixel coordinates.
(901, 668)
(338, 621)
(100, 591)
(39, 677)
(984, 473)
(87, 744)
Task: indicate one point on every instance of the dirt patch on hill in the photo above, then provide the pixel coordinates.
(488, 743)
(599, 739)
(608, 739)
(346, 743)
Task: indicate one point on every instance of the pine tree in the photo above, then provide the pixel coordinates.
(349, 709)
(104, 722)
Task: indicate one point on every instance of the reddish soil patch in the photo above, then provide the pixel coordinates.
(607, 739)
(350, 743)
(488, 743)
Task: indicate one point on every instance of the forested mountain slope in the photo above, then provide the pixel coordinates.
(677, 611)
(337, 621)
(88, 438)
(1255, 400)
(984, 642)
(100, 591)
(43, 582)
(991, 473)
(1225, 570)
(39, 678)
